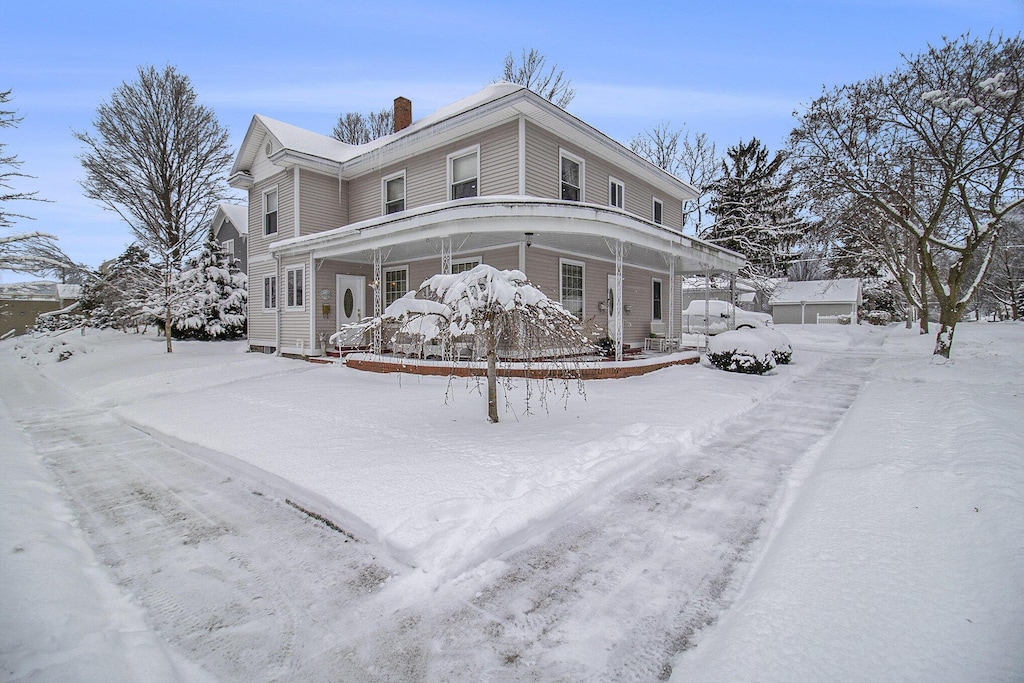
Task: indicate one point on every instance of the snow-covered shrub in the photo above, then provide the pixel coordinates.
(844, 318)
(782, 349)
(745, 351)
(878, 317)
(56, 323)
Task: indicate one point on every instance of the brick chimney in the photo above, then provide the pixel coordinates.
(403, 113)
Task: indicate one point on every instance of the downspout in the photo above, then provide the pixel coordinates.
(277, 307)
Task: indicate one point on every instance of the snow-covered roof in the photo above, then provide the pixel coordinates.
(236, 213)
(286, 145)
(843, 290)
(41, 290)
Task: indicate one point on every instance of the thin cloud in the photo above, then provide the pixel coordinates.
(644, 103)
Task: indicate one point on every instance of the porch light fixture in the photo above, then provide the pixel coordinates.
(529, 238)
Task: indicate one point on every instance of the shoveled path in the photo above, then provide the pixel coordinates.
(252, 589)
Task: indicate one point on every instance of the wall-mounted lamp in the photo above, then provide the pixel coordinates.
(529, 238)
(601, 306)
(628, 309)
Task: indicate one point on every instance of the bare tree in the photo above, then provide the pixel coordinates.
(936, 149)
(529, 71)
(497, 314)
(692, 158)
(32, 251)
(158, 160)
(358, 129)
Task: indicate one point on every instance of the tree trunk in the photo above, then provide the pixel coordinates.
(167, 326)
(924, 303)
(492, 382)
(944, 339)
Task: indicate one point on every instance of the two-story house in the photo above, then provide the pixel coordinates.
(230, 227)
(337, 232)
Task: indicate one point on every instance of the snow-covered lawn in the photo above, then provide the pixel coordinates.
(894, 550)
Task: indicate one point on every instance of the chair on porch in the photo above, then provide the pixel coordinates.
(657, 340)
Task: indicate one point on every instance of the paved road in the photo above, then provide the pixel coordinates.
(252, 589)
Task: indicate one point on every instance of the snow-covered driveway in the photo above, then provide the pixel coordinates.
(252, 589)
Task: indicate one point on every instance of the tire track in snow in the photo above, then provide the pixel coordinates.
(617, 592)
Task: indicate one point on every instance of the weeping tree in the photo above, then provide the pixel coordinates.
(158, 159)
(495, 314)
(936, 150)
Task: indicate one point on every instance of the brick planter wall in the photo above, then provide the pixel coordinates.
(587, 371)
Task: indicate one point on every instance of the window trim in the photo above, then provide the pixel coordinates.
(295, 300)
(566, 154)
(614, 182)
(458, 154)
(394, 269)
(466, 260)
(270, 297)
(384, 192)
(228, 246)
(655, 203)
(277, 211)
(659, 299)
(562, 262)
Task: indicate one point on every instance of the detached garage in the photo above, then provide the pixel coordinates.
(816, 301)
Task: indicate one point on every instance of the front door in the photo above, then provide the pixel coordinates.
(351, 299)
(613, 310)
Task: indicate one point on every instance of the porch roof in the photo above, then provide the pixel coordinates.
(490, 222)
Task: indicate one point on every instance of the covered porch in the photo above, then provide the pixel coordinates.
(618, 273)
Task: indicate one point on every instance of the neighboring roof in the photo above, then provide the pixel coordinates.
(237, 214)
(493, 105)
(844, 291)
(39, 290)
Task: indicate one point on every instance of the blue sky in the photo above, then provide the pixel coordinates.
(733, 70)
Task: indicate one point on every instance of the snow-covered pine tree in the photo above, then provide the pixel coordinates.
(753, 211)
(215, 307)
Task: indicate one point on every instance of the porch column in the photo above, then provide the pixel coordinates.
(618, 300)
(670, 329)
(446, 255)
(378, 301)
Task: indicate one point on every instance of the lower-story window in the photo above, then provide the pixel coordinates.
(270, 292)
(296, 284)
(396, 284)
(572, 287)
(462, 265)
(656, 299)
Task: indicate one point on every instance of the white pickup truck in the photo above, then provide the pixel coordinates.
(720, 317)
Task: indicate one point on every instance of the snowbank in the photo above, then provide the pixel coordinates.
(899, 553)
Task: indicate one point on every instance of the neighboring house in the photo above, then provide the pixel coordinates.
(21, 302)
(231, 228)
(337, 232)
(814, 301)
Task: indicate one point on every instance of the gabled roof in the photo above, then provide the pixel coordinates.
(841, 291)
(495, 104)
(40, 290)
(237, 214)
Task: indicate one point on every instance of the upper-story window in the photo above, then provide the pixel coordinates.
(228, 246)
(616, 192)
(394, 193)
(572, 176)
(270, 212)
(658, 211)
(464, 174)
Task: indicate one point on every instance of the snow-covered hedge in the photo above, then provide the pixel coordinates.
(746, 351)
(878, 317)
(782, 349)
